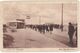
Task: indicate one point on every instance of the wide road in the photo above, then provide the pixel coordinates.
(28, 38)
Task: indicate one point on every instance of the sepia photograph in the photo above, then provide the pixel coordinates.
(34, 25)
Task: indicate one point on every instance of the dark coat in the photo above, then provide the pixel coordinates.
(47, 29)
(71, 30)
(51, 27)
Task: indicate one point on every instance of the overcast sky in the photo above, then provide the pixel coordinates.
(47, 13)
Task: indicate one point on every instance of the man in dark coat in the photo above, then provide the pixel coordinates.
(51, 28)
(43, 28)
(71, 33)
(47, 28)
(4, 28)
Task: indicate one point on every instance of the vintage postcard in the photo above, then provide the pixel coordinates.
(39, 25)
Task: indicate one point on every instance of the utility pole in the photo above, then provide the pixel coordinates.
(39, 19)
(62, 18)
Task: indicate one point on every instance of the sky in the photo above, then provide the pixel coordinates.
(40, 13)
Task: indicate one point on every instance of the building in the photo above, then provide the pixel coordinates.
(15, 24)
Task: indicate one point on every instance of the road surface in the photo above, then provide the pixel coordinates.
(28, 38)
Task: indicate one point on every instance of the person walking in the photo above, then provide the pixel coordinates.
(43, 28)
(71, 33)
(76, 35)
(51, 28)
(47, 28)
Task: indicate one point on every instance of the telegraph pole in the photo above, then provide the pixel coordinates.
(62, 18)
(39, 19)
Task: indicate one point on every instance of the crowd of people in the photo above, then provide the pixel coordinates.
(43, 28)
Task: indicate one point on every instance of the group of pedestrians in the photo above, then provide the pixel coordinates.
(42, 28)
